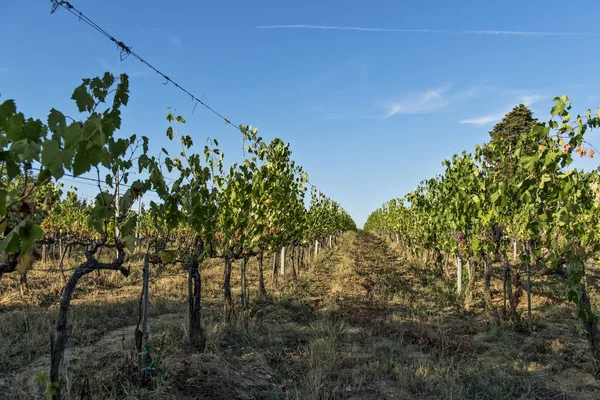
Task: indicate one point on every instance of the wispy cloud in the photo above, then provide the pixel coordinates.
(420, 103)
(530, 99)
(3, 70)
(526, 99)
(484, 119)
(438, 31)
(175, 42)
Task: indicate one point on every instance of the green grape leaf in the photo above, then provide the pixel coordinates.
(10, 243)
(57, 122)
(19, 147)
(29, 233)
(51, 153)
(129, 243)
(72, 134)
(168, 256)
(84, 101)
(558, 108)
(122, 92)
(82, 161)
(67, 155)
(187, 141)
(143, 162)
(25, 263)
(44, 175)
(32, 151)
(8, 109)
(126, 201)
(129, 225)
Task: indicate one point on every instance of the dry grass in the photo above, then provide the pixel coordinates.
(362, 322)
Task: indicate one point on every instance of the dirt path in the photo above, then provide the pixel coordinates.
(402, 331)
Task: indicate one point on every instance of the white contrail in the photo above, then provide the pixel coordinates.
(466, 32)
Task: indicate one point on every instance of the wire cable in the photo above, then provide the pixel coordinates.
(126, 51)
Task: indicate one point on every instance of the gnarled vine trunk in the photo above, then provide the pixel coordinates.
(446, 262)
(145, 364)
(228, 301)
(487, 292)
(471, 288)
(438, 261)
(261, 278)
(528, 272)
(511, 311)
(275, 272)
(294, 259)
(59, 343)
(282, 252)
(196, 333)
(244, 284)
(459, 274)
(300, 258)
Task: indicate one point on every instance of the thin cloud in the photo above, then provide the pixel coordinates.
(425, 102)
(484, 119)
(530, 99)
(460, 32)
(527, 99)
(4, 70)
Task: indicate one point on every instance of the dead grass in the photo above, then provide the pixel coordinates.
(362, 322)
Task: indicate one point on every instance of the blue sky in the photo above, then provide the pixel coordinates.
(372, 95)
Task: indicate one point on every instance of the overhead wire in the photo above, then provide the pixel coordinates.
(86, 180)
(126, 51)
